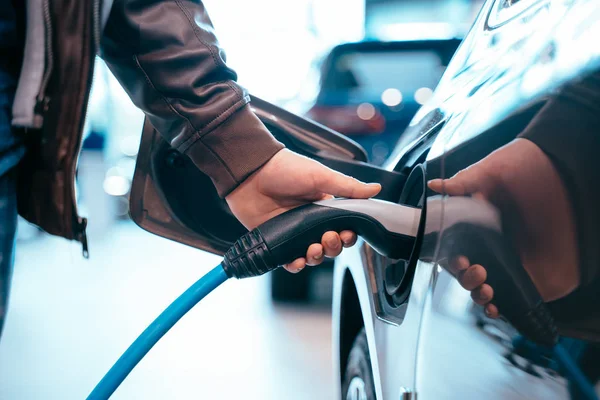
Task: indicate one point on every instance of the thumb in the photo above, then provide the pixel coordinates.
(468, 181)
(340, 185)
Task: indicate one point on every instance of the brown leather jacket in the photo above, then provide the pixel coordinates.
(168, 59)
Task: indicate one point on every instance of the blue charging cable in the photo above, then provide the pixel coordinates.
(155, 331)
(574, 373)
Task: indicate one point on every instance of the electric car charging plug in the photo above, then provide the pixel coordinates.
(389, 228)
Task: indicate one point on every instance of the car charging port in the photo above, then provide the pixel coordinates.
(394, 276)
(412, 195)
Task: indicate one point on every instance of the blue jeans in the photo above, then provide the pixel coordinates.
(11, 148)
(8, 225)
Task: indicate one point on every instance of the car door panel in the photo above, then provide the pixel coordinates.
(470, 357)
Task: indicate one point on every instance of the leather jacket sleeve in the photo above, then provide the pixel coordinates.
(167, 57)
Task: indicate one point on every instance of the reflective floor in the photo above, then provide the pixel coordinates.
(69, 320)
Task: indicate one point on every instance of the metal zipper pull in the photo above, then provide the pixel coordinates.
(39, 110)
(41, 105)
(82, 237)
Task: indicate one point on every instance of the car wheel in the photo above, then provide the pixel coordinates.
(288, 287)
(358, 378)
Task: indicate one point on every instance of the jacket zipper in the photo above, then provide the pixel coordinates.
(42, 101)
(80, 222)
(96, 21)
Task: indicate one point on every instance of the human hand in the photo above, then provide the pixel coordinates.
(287, 181)
(521, 181)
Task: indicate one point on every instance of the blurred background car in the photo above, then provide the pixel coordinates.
(370, 90)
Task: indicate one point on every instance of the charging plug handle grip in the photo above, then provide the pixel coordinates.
(286, 237)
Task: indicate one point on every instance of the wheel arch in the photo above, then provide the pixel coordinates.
(351, 320)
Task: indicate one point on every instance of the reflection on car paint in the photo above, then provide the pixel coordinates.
(371, 90)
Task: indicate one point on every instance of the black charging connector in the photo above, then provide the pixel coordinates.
(389, 228)
(249, 256)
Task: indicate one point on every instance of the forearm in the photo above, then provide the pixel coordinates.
(168, 59)
(567, 129)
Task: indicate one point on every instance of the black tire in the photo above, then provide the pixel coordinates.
(358, 378)
(288, 287)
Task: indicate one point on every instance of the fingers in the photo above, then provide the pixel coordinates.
(458, 265)
(295, 266)
(453, 186)
(463, 183)
(332, 244)
(491, 311)
(348, 238)
(340, 185)
(468, 181)
(437, 185)
(482, 294)
(472, 277)
(314, 254)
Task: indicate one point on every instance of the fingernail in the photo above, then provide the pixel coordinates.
(333, 243)
(318, 256)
